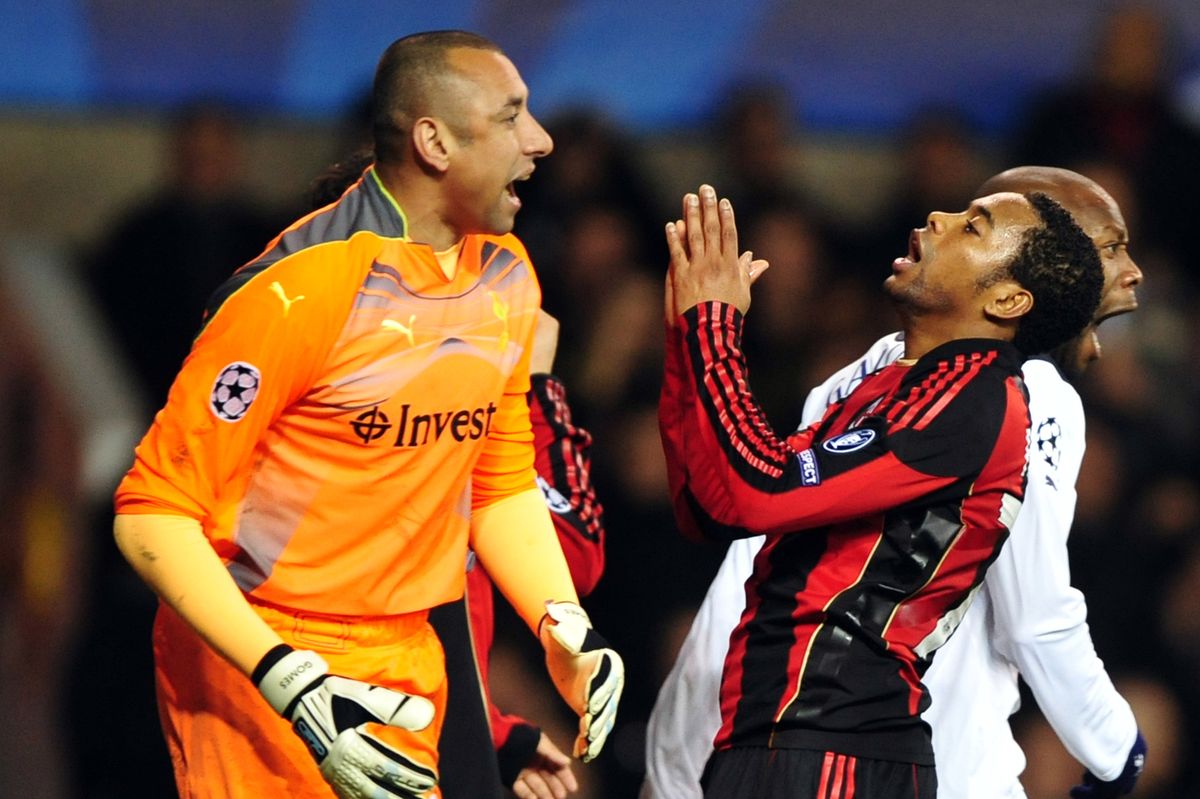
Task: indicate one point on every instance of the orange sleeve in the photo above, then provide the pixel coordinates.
(259, 352)
(505, 467)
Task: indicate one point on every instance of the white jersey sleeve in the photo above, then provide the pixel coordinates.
(1029, 619)
(686, 714)
(1041, 621)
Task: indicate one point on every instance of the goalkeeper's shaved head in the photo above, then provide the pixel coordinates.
(416, 78)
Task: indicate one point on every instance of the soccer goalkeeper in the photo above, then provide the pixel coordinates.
(352, 415)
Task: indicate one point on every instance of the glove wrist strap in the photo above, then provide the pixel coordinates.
(291, 674)
(273, 656)
(566, 623)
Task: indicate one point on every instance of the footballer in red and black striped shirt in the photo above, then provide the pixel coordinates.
(882, 517)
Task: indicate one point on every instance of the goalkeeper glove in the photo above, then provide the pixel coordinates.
(330, 714)
(587, 673)
(1093, 788)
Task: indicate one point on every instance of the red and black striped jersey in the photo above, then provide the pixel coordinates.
(563, 461)
(881, 521)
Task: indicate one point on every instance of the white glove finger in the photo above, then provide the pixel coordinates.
(601, 723)
(587, 746)
(596, 731)
(357, 752)
(394, 768)
(607, 679)
(413, 713)
(394, 708)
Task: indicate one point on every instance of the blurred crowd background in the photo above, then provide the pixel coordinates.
(120, 212)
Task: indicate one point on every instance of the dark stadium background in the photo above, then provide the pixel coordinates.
(835, 127)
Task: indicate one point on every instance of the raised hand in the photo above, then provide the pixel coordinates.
(704, 261)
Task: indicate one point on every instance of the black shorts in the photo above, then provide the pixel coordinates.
(761, 773)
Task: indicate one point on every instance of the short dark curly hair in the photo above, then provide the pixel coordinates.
(1059, 265)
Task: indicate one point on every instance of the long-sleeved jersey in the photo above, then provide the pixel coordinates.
(345, 407)
(687, 714)
(880, 520)
(1028, 619)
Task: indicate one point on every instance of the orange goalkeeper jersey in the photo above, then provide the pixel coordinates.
(344, 408)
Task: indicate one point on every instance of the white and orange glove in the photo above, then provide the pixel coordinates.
(588, 674)
(330, 715)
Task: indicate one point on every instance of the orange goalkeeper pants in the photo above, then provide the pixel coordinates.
(226, 741)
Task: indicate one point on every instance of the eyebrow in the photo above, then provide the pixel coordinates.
(1121, 235)
(513, 103)
(980, 210)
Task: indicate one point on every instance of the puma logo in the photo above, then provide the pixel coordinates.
(277, 287)
(400, 327)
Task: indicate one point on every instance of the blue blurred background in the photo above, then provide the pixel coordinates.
(148, 148)
(857, 65)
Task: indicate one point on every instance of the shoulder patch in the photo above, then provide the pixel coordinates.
(1047, 437)
(555, 501)
(234, 390)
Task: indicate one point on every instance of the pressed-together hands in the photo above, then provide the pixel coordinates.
(705, 264)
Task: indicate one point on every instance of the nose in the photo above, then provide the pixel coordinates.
(936, 222)
(1131, 275)
(538, 142)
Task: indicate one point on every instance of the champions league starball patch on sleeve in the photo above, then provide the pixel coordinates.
(1048, 434)
(555, 501)
(234, 390)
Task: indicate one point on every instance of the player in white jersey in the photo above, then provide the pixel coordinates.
(1026, 619)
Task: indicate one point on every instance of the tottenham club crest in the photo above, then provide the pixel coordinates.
(234, 391)
(850, 441)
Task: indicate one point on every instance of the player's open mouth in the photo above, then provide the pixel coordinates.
(511, 188)
(914, 247)
(911, 257)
